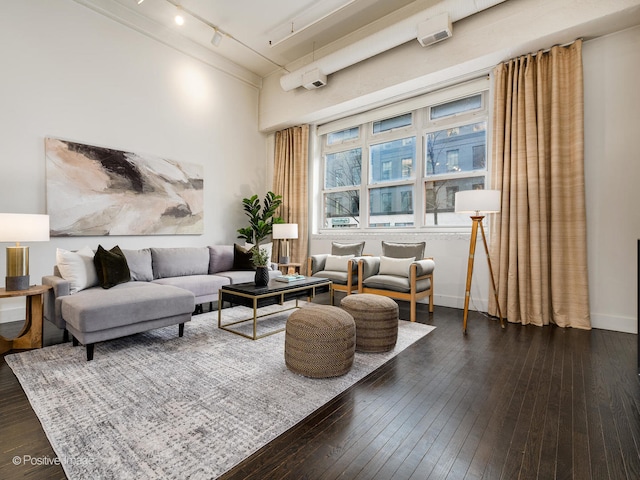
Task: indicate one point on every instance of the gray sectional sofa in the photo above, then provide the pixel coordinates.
(166, 286)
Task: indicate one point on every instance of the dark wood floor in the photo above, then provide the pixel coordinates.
(526, 402)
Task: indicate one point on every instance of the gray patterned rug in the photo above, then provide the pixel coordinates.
(154, 405)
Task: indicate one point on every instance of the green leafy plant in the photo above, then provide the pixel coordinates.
(261, 217)
(260, 256)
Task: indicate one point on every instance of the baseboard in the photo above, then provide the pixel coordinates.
(615, 323)
(451, 301)
(599, 321)
(8, 315)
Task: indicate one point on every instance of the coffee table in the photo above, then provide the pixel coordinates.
(248, 295)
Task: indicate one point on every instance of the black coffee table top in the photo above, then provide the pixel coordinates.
(274, 286)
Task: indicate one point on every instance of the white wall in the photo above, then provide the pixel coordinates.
(612, 170)
(612, 109)
(69, 72)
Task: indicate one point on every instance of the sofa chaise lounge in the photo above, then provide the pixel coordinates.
(165, 287)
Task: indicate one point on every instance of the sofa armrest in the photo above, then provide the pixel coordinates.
(51, 308)
(60, 286)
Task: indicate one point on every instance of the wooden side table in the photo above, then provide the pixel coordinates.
(284, 267)
(31, 334)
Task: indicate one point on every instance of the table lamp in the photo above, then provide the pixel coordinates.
(285, 231)
(18, 227)
(477, 203)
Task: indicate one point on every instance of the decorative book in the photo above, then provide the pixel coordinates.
(289, 278)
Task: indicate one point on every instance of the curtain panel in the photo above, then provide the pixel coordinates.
(290, 180)
(538, 241)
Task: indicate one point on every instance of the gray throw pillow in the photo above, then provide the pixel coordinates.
(220, 258)
(139, 262)
(403, 250)
(179, 262)
(342, 249)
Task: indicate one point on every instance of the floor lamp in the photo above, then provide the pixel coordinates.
(477, 203)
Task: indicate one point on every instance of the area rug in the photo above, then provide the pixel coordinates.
(154, 405)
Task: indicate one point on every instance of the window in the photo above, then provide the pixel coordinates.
(457, 106)
(452, 160)
(455, 161)
(392, 123)
(403, 171)
(342, 179)
(386, 170)
(342, 136)
(407, 167)
(479, 161)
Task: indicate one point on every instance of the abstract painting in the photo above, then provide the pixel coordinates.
(96, 191)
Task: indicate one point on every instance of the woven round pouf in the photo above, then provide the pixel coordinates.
(376, 320)
(320, 341)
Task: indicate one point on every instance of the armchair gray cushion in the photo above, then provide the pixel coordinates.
(337, 263)
(340, 278)
(354, 249)
(317, 262)
(395, 283)
(395, 266)
(403, 250)
(425, 266)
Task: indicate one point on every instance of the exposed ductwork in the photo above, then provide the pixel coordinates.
(386, 39)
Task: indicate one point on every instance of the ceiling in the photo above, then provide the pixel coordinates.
(261, 36)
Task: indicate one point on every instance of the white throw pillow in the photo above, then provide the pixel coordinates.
(337, 263)
(264, 246)
(395, 266)
(77, 268)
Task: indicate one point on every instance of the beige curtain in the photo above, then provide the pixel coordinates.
(290, 181)
(538, 246)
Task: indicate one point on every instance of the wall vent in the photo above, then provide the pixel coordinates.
(434, 30)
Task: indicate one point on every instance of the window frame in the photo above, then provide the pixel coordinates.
(420, 127)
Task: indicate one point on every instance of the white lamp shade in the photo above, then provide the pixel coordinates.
(285, 230)
(18, 227)
(478, 201)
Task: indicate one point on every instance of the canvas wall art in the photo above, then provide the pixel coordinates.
(96, 191)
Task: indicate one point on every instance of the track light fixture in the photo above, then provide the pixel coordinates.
(217, 38)
(179, 19)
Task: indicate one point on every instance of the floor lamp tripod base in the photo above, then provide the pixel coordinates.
(477, 221)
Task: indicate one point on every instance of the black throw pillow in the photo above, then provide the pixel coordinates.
(242, 258)
(111, 267)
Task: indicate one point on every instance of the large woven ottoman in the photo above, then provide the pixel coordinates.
(376, 320)
(320, 341)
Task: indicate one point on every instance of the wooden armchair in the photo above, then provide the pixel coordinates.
(341, 267)
(397, 274)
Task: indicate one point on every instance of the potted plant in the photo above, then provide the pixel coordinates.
(261, 218)
(260, 259)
